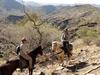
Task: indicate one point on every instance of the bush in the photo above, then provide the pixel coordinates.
(87, 34)
(13, 35)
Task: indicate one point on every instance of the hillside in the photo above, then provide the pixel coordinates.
(83, 22)
(10, 4)
(74, 15)
(10, 7)
(32, 4)
(47, 9)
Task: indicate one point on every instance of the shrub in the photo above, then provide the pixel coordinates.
(87, 34)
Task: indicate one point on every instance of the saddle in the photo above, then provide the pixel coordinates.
(68, 49)
(23, 63)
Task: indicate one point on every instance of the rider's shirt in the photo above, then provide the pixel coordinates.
(65, 37)
(24, 48)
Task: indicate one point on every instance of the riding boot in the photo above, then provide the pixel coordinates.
(30, 71)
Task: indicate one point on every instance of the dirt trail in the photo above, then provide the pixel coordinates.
(85, 60)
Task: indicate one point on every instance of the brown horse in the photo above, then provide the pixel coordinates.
(33, 54)
(10, 66)
(69, 51)
(58, 48)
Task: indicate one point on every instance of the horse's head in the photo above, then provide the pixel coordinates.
(39, 50)
(35, 52)
(56, 45)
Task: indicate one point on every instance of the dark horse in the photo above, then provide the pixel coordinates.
(10, 66)
(69, 51)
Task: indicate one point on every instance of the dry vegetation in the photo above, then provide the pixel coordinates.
(85, 40)
(11, 35)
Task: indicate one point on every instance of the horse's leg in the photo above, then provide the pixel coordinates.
(65, 62)
(60, 61)
(30, 71)
(69, 58)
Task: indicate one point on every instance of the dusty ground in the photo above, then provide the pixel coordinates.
(85, 61)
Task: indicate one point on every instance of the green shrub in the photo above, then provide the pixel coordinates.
(86, 32)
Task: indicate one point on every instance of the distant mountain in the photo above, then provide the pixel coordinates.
(43, 9)
(10, 7)
(74, 15)
(96, 5)
(10, 4)
(48, 8)
(32, 4)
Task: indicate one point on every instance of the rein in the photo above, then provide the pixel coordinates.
(54, 54)
(58, 53)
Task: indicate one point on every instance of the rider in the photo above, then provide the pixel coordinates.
(24, 53)
(65, 39)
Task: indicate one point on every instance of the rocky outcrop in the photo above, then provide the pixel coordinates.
(14, 18)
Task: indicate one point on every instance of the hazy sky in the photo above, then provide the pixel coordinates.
(66, 1)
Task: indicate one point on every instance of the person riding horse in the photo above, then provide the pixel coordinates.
(65, 39)
(22, 51)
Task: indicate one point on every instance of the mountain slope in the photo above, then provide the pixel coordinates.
(10, 4)
(47, 9)
(10, 7)
(32, 4)
(74, 15)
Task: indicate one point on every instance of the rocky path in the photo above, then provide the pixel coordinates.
(85, 61)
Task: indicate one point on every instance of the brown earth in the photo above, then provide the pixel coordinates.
(85, 61)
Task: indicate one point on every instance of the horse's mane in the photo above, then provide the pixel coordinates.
(3, 65)
(13, 60)
(9, 62)
(34, 51)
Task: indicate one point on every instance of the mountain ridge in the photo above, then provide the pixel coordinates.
(10, 4)
(74, 15)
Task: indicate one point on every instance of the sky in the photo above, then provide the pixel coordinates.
(67, 1)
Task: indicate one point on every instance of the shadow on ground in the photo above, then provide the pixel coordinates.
(77, 66)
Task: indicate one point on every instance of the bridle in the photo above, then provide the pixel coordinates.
(58, 53)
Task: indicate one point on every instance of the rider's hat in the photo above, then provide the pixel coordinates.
(23, 39)
(66, 29)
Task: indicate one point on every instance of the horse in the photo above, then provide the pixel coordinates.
(11, 65)
(33, 54)
(68, 51)
(58, 48)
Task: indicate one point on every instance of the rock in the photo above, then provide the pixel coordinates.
(90, 74)
(59, 68)
(42, 73)
(55, 73)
